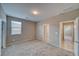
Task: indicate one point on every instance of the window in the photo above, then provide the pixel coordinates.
(15, 27)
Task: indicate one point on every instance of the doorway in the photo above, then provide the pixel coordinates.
(67, 36)
(46, 32)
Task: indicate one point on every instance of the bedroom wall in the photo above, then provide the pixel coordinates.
(54, 26)
(3, 37)
(28, 30)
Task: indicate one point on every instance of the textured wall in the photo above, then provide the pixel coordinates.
(28, 30)
(54, 27)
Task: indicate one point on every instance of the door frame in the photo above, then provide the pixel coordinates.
(76, 41)
(60, 32)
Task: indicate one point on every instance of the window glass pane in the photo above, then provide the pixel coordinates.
(15, 27)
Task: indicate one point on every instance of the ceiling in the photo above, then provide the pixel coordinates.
(46, 10)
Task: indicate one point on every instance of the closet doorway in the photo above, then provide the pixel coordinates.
(46, 32)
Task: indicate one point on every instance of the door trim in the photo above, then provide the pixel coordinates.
(76, 45)
(61, 33)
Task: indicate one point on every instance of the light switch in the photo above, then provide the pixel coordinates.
(56, 33)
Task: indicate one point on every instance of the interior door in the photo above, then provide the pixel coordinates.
(69, 36)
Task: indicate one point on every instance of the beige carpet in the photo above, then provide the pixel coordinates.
(34, 48)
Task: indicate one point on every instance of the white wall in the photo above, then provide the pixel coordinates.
(3, 18)
(53, 33)
(0, 37)
(39, 31)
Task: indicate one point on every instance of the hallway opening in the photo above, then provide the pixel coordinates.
(67, 36)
